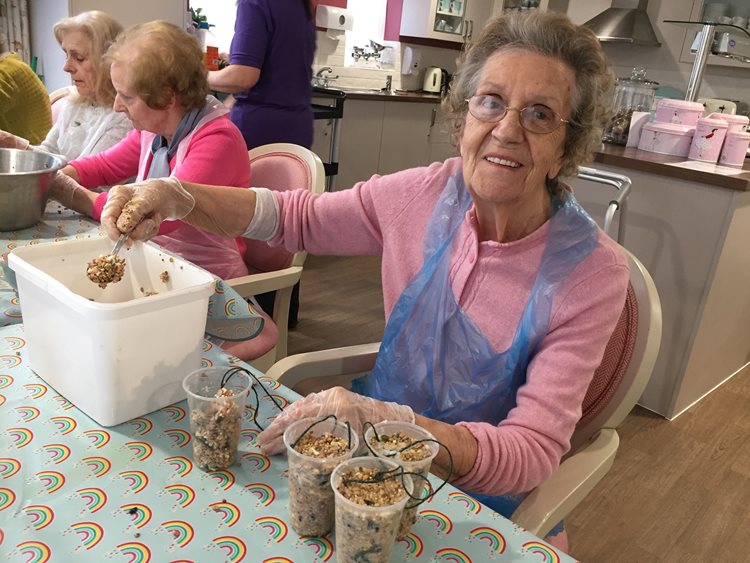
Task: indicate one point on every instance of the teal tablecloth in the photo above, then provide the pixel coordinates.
(230, 317)
(71, 490)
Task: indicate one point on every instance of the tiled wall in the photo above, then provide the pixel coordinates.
(331, 52)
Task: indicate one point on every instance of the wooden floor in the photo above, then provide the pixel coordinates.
(678, 492)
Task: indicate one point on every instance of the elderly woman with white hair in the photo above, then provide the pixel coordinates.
(87, 124)
(500, 292)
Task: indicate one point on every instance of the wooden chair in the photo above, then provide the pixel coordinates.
(617, 384)
(277, 166)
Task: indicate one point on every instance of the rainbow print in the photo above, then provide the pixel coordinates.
(140, 512)
(20, 436)
(228, 511)
(11, 361)
(275, 526)
(322, 547)
(414, 544)
(452, 554)
(6, 381)
(174, 412)
(94, 498)
(142, 425)
(206, 363)
(90, 533)
(100, 465)
(141, 450)
(137, 552)
(260, 461)
(218, 287)
(179, 436)
(2, 400)
(52, 480)
(442, 522)
(278, 559)
(64, 403)
(223, 477)
(471, 503)
(283, 401)
(65, 424)
(184, 494)
(181, 464)
(494, 538)
(234, 548)
(250, 433)
(9, 467)
(35, 390)
(60, 452)
(137, 480)
(27, 413)
(15, 342)
(99, 438)
(7, 497)
(542, 551)
(206, 346)
(265, 494)
(41, 516)
(272, 384)
(230, 307)
(182, 532)
(34, 551)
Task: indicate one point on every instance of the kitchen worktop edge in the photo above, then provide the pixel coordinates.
(664, 165)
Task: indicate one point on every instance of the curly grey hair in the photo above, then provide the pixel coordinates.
(554, 35)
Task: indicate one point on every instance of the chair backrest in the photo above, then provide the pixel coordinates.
(628, 359)
(56, 96)
(281, 166)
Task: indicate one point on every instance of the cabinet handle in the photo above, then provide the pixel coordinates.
(433, 114)
(471, 29)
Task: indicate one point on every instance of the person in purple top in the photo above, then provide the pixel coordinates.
(270, 72)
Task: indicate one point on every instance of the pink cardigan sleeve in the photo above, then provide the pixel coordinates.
(111, 166)
(525, 448)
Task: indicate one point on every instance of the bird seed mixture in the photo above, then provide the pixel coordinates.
(390, 443)
(366, 535)
(106, 269)
(216, 429)
(311, 498)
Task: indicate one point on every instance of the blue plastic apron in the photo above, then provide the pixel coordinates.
(435, 359)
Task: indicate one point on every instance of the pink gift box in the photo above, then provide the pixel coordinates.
(736, 123)
(709, 135)
(682, 112)
(666, 138)
(735, 148)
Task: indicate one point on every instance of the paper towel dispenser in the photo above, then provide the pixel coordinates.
(332, 17)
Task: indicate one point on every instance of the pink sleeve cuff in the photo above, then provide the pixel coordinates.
(99, 204)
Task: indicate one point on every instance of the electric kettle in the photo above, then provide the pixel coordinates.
(435, 80)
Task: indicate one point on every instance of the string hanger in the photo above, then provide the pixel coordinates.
(237, 369)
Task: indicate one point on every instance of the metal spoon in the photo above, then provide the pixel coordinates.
(118, 244)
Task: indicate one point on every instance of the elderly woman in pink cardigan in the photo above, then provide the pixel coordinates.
(500, 292)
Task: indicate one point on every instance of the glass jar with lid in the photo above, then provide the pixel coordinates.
(635, 93)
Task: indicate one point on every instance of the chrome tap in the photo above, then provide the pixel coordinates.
(388, 84)
(320, 79)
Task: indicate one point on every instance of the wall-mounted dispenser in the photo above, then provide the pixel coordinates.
(411, 60)
(330, 17)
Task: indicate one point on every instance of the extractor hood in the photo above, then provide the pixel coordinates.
(622, 24)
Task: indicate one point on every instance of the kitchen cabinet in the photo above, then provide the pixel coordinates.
(736, 7)
(445, 20)
(43, 14)
(382, 137)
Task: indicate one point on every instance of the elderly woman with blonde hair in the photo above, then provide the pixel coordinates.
(500, 291)
(86, 124)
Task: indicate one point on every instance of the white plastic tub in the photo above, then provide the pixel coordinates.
(115, 353)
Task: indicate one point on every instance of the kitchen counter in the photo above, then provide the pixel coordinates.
(379, 96)
(689, 223)
(676, 167)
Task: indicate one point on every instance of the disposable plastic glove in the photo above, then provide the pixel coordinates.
(63, 188)
(347, 406)
(146, 205)
(11, 141)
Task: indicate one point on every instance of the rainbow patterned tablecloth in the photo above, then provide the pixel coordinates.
(73, 490)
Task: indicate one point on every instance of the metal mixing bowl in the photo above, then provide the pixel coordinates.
(24, 177)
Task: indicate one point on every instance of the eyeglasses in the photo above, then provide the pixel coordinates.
(536, 118)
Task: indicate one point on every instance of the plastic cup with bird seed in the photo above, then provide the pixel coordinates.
(313, 453)
(403, 443)
(216, 400)
(370, 500)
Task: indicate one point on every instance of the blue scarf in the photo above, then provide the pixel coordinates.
(163, 150)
